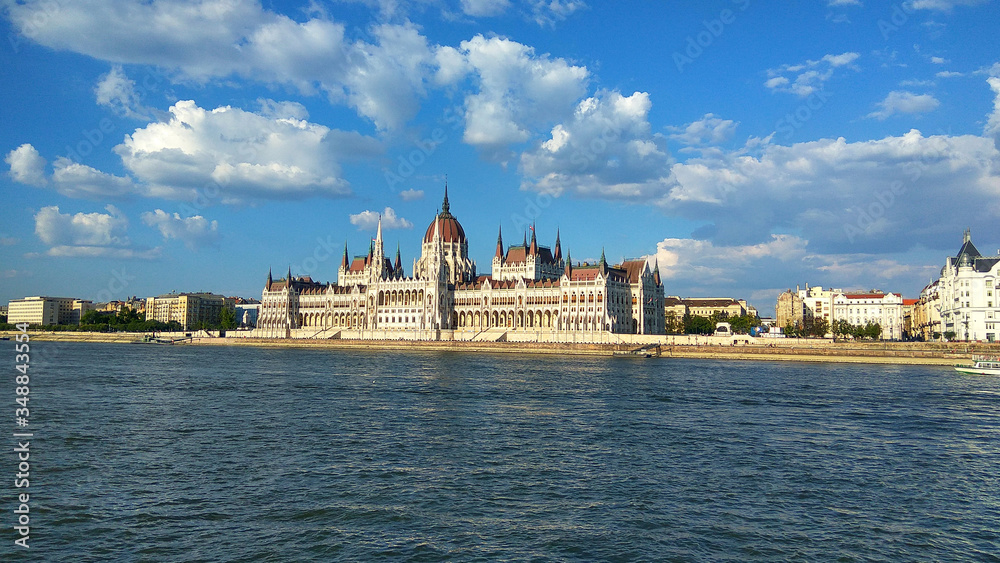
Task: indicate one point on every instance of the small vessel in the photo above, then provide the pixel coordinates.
(985, 365)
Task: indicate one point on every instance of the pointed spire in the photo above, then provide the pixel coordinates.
(569, 266)
(656, 270)
(398, 266)
(534, 244)
(445, 206)
(378, 235)
(371, 252)
(967, 236)
(345, 262)
(269, 279)
(525, 243)
(499, 253)
(603, 263)
(437, 221)
(289, 278)
(557, 251)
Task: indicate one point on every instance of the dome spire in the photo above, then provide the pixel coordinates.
(445, 206)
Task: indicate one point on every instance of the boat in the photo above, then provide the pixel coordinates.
(984, 365)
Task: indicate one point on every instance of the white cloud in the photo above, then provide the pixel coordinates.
(411, 195)
(518, 91)
(549, 12)
(992, 128)
(941, 5)
(194, 232)
(117, 91)
(897, 102)
(26, 165)
(481, 8)
(606, 149)
(806, 78)
(214, 40)
(939, 60)
(87, 235)
(76, 180)
(82, 229)
(103, 252)
(843, 2)
(707, 130)
(244, 155)
(703, 260)
(882, 195)
(368, 220)
(948, 74)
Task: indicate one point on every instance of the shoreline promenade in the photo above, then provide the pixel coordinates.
(801, 350)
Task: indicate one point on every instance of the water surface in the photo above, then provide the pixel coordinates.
(170, 453)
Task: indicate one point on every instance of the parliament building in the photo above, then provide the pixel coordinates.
(534, 293)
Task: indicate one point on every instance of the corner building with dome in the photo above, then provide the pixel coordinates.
(533, 294)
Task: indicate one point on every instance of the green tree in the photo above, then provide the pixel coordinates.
(696, 324)
(817, 327)
(949, 334)
(672, 324)
(227, 319)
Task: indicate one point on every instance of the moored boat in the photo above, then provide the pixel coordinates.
(984, 365)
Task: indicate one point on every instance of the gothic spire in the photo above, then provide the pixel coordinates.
(569, 266)
(603, 263)
(534, 244)
(378, 236)
(269, 279)
(557, 251)
(445, 206)
(499, 253)
(398, 266)
(345, 262)
(656, 270)
(525, 243)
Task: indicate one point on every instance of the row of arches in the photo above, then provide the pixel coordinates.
(332, 320)
(536, 319)
(401, 298)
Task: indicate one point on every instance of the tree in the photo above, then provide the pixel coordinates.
(949, 335)
(842, 328)
(673, 325)
(818, 328)
(696, 324)
(227, 319)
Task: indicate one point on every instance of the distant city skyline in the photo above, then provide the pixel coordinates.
(745, 146)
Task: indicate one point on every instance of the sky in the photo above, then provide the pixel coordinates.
(743, 146)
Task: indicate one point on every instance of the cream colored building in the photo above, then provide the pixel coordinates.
(532, 290)
(859, 309)
(969, 289)
(926, 319)
(188, 309)
(47, 310)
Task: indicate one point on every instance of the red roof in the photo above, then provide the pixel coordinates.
(451, 229)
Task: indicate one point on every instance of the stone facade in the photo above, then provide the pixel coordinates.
(532, 290)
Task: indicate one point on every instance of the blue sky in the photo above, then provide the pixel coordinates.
(748, 146)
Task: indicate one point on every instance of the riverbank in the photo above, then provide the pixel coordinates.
(786, 350)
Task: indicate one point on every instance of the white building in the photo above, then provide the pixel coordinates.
(885, 309)
(532, 289)
(47, 310)
(967, 290)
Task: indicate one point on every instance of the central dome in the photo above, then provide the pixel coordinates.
(448, 226)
